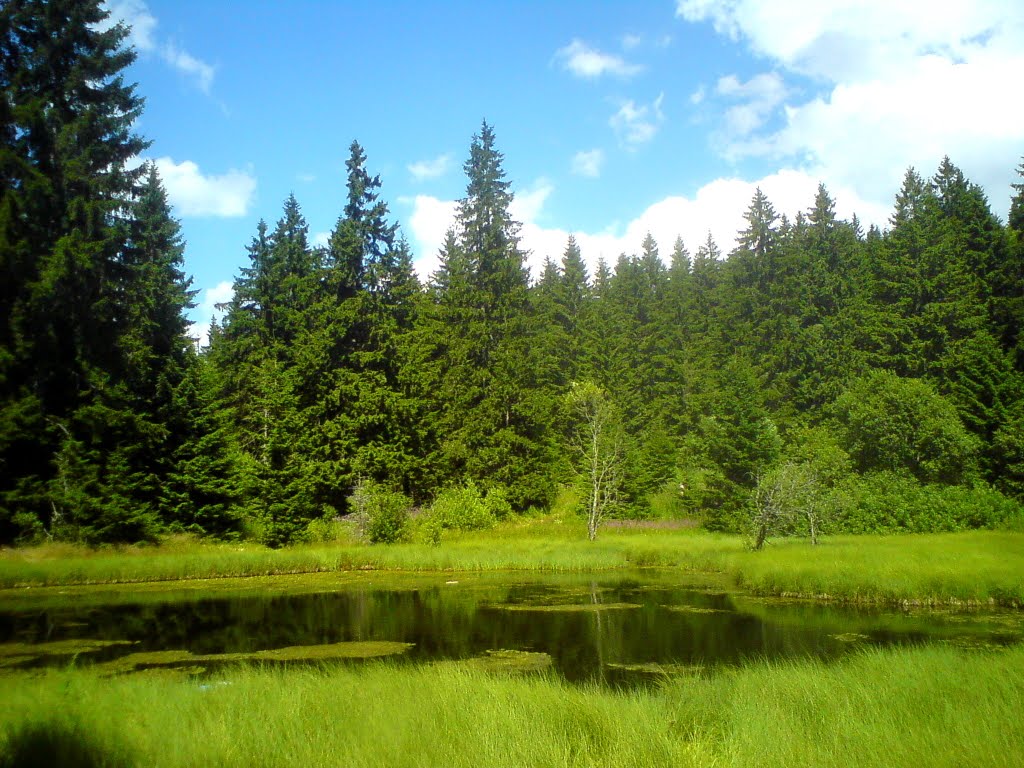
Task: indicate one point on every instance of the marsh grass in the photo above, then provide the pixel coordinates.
(977, 567)
(919, 706)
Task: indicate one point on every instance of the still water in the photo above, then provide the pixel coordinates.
(614, 627)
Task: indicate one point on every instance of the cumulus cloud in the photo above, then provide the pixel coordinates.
(637, 124)
(430, 220)
(430, 169)
(717, 208)
(895, 84)
(221, 293)
(588, 163)
(193, 194)
(142, 36)
(583, 61)
(758, 98)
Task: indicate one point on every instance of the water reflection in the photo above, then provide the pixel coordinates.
(606, 627)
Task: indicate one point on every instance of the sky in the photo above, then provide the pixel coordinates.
(615, 119)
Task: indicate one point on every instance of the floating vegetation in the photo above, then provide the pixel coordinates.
(180, 659)
(975, 643)
(653, 668)
(75, 647)
(14, 655)
(693, 609)
(356, 649)
(565, 608)
(850, 637)
(511, 662)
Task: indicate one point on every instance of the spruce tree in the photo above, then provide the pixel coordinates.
(67, 122)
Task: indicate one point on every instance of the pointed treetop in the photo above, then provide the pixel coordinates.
(823, 215)
(574, 269)
(1016, 218)
(760, 231)
(910, 199)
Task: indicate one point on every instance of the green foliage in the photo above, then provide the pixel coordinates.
(888, 423)
(464, 508)
(887, 502)
(387, 516)
(333, 363)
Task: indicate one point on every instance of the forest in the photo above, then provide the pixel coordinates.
(822, 377)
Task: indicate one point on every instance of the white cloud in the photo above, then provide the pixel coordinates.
(430, 169)
(189, 65)
(137, 16)
(527, 205)
(321, 239)
(717, 207)
(588, 163)
(221, 293)
(758, 98)
(583, 61)
(899, 84)
(629, 42)
(193, 194)
(698, 96)
(430, 221)
(636, 125)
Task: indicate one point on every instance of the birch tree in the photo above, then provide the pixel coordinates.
(596, 441)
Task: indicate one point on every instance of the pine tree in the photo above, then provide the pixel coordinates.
(67, 121)
(492, 422)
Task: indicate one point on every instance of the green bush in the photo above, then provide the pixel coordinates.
(329, 530)
(387, 516)
(887, 502)
(497, 503)
(464, 508)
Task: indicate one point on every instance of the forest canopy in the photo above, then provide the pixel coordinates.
(887, 364)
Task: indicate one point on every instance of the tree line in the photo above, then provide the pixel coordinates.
(878, 373)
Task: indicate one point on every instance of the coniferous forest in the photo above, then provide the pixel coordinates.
(877, 372)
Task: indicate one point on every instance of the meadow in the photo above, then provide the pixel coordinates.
(935, 706)
(975, 567)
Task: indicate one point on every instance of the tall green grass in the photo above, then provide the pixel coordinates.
(911, 707)
(972, 567)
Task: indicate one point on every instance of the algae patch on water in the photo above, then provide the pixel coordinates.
(654, 669)
(511, 662)
(361, 649)
(850, 637)
(19, 654)
(565, 608)
(693, 609)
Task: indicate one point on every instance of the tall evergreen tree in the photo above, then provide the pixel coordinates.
(67, 122)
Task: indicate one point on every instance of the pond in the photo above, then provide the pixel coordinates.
(615, 627)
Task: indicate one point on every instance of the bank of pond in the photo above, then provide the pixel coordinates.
(972, 567)
(645, 667)
(525, 646)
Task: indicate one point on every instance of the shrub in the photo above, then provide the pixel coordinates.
(463, 508)
(387, 515)
(887, 502)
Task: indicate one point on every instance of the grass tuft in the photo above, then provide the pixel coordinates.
(895, 707)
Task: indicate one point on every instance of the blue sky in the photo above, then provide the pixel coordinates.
(615, 118)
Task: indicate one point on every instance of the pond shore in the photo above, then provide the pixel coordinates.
(935, 706)
(983, 568)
